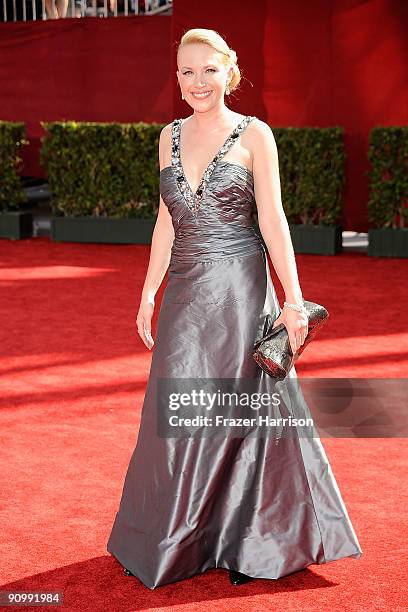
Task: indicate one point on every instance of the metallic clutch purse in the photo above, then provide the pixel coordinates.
(273, 352)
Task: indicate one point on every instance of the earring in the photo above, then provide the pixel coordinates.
(227, 90)
(182, 97)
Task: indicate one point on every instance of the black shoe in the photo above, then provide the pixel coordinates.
(238, 578)
(127, 572)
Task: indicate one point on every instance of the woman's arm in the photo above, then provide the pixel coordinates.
(274, 228)
(162, 241)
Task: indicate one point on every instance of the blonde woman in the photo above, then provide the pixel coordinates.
(259, 506)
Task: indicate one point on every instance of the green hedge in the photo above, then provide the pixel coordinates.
(112, 170)
(12, 137)
(102, 169)
(388, 175)
(312, 173)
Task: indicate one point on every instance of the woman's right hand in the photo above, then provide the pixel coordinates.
(144, 322)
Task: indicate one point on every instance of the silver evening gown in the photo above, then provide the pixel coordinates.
(263, 506)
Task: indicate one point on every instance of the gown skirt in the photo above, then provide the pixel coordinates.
(266, 506)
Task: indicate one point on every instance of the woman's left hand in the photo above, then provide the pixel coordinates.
(296, 324)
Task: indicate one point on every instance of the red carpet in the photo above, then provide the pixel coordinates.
(72, 378)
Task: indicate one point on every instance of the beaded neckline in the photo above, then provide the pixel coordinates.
(192, 198)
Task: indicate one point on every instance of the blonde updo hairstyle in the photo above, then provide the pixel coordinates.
(217, 42)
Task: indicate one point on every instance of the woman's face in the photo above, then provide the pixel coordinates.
(201, 71)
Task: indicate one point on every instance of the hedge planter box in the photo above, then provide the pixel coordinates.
(316, 239)
(102, 229)
(386, 242)
(16, 224)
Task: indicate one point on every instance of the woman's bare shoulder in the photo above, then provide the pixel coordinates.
(165, 132)
(260, 139)
(165, 145)
(260, 130)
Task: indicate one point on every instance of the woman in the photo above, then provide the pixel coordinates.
(259, 506)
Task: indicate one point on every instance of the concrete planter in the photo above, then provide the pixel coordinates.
(102, 229)
(16, 224)
(386, 242)
(316, 239)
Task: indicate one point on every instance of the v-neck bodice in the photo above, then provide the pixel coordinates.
(193, 198)
(216, 221)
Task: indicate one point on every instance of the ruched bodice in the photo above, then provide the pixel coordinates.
(217, 223)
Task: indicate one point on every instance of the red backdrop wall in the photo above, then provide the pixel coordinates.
(318, 63)
(86, 69)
